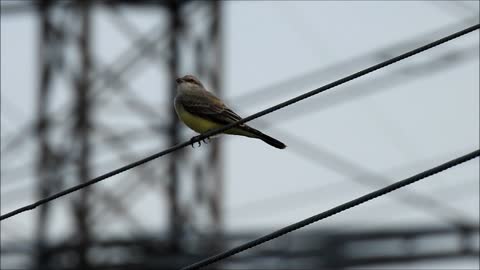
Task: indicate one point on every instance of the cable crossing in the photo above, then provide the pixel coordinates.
(334, 211)
(244, 120)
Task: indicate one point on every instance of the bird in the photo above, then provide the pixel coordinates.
(202, 111)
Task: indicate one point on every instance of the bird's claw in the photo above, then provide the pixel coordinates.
(192, 141)
(204, 140)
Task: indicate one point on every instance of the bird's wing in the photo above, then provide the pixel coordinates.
(207, 105)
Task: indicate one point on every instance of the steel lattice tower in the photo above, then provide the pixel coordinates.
(66, 30)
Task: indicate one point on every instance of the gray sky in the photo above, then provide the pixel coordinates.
(408, 124)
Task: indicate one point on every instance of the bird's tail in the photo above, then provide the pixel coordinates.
(258, 134)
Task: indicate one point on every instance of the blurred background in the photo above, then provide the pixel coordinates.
(88, 86)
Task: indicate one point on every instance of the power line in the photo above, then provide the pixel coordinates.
(384, 82)
(456, 8)
(339, 82)
(126, 61)
(241, 121)
(353, 170)
(8, 174)
(357, 174)
(362, 90)
(335, 210)
(266, 92)
(329, 71)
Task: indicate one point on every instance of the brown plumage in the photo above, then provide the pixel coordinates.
(202, 111)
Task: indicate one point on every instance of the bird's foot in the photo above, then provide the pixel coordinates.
(204, 140)
(192, 141)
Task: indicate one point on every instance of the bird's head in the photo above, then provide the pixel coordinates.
(188, 81)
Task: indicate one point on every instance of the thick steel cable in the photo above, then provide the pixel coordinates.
(335, 210)
(249, 118)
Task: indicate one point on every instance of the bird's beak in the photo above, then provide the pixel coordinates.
(178, 80)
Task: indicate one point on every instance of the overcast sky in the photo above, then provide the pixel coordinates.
(386, 126)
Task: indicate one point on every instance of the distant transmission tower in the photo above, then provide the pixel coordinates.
(66, 55)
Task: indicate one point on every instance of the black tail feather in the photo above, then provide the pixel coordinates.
(271, 141)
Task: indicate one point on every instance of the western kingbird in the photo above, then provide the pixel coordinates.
(202, 111)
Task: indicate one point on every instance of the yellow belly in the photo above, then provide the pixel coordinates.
(202, 125)
(196, 123)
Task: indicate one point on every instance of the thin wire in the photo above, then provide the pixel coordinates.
(126, 61)
(342, 81)
(355, 173)
(379, 54)
(384, 82)
(249, 118)
(335, 210)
